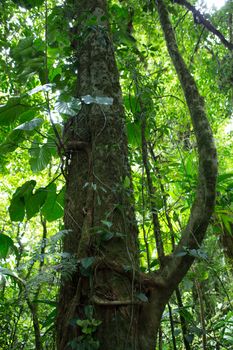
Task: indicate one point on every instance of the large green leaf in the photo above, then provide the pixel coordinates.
(31, 125)
(13, 139)
(6, 244)
(17, 209)
(21, 195)
(12, 110)
(68, 105)
(34, 202)
(53, 208)
(41, 157)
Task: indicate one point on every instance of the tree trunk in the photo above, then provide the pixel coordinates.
(99, 207)
(107, 303)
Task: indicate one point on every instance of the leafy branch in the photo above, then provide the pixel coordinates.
(199, 18)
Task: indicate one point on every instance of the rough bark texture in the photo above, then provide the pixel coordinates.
(203, 205)
(98, 168)
(99, 206)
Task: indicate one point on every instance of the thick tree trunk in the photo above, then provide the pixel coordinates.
(108, 303)
(99, 207)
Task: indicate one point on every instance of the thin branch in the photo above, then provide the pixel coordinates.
(199, 18)
(197, 46)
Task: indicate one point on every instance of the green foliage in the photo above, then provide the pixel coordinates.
(40, 156)
(14, 110)
(6, 245)
(19, 199)
(28, 4)
(88, 327)
(38, 93)
(18, 135)
(53, 207)
(25, 201)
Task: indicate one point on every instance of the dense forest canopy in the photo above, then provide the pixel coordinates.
(109, 116)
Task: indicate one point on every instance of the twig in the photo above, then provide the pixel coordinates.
(199, 18)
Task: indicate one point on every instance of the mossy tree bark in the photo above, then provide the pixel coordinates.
(107, 284)
(99, 210)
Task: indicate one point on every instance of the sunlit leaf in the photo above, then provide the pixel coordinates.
(68, 105)
(8, 272)
(45, 88)
(31, 125)
(41, 157)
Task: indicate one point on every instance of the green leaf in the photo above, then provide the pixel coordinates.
(23, 48)
(41, 157)
(189, 338)
(28, 114)
(53, 208)
(142, 297)
(6, 244)
(227, 221)
(21, 195)
(68, 105)
(186, 314)
(131, 103)
(224, 177)
(181, 253)
(134, 134)
(12, 110)
(8, 272)
(28, 4)
(107, 223)
(12, 141)
(31, 125)
(45, 87)
(35, 202)
(126, 183)
(88, 310)
(87, 262)
(50, 319)
(17, 209)
(106, 236)
(18, 135)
